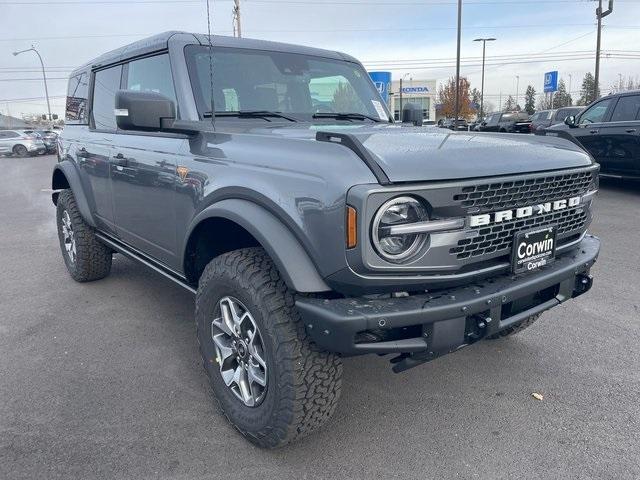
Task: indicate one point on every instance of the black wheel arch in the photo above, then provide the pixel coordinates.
(65, 176)
(253, 225)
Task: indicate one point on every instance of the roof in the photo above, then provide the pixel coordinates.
(161, 42)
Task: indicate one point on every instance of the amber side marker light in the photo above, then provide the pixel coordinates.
(352, 232)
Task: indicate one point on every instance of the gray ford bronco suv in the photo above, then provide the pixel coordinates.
(271, 181)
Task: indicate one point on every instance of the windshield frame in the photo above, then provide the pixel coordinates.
(190, 52)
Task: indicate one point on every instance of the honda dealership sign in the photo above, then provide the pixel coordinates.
(551, 81)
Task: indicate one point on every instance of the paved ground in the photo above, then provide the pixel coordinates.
(103, 380)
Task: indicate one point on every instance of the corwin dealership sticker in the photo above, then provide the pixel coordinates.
(533, 249)
(380, 109)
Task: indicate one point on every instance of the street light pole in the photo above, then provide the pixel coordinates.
(517, 89)
(484, 44)
(237, 26)
(457, 106)
(44, 76)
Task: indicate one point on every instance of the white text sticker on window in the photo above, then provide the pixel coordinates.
(380, 110)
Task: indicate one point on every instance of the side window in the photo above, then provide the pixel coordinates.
(152, 74)
(77, 95)
(627, 108)
(596, 112)
(9, 134)
(106, 84)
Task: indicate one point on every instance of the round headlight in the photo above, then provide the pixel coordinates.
(398, 247)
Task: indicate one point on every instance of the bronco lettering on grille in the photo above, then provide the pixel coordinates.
(523, 212)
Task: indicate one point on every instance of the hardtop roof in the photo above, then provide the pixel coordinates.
(161, 42)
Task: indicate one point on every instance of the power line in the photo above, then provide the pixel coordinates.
(366, 3)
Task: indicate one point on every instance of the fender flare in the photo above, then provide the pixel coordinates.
(68, 169)
(291, 259)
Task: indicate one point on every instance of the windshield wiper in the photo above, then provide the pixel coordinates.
(346, 116)
(251, 114)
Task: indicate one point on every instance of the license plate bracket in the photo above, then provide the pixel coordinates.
(533, 249)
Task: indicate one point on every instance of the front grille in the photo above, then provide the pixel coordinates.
(498, 238)
(510, 194)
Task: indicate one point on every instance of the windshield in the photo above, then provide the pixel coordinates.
(303, 87)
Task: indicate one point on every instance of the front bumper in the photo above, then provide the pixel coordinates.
(431, 324)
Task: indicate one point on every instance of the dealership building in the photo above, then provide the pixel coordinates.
(418, 92)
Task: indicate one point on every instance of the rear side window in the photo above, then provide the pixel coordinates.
(77, 95)
(152, 74)
(627, 109)
(106, 84)
(8, 134)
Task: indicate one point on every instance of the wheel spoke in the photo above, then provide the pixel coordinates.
(255, 375)
(221, 324)
(224, 350)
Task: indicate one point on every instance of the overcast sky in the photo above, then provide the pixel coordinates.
(70, 32)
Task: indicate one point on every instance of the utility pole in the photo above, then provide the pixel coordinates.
(484, 44)
(517, 89)
(457, 107)
(570, 78)
(44, 77)
(599, 15)
(237, 27)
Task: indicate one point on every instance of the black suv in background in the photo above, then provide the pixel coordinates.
(546, 118)
(609, 129)
(509, 122)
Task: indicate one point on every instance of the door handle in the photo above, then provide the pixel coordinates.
(630, 130)
(594, 131)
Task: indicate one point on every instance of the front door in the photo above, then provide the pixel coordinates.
(144, 170)
(590, 124)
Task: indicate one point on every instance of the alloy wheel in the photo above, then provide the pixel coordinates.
(239, 351)
(68, 237)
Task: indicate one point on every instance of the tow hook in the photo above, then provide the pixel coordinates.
(479, 324)
(583, 284)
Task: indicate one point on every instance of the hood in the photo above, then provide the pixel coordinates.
(410, 154)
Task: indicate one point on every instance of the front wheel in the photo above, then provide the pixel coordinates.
(20, 150)
(272, 383)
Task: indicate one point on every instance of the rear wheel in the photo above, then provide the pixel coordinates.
(271, 382)
(513, 329)
(20, 150)
(84, 255)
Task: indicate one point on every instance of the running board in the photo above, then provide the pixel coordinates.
(143, 259)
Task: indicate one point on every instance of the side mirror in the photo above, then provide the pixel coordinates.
(570, 120)
(146, 111)
(412, 113)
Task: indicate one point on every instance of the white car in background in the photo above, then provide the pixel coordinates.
(20, 143)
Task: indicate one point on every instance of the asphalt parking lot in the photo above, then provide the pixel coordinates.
(103, 380)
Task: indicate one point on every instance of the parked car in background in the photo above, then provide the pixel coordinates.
(546, 118)
(20, 143)
(449, 123)
(48, 137)
(609, 129)
(507, 122)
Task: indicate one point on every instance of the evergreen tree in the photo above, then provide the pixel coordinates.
(586, 90)
(530, 100)
(562, 98)
(510, 104)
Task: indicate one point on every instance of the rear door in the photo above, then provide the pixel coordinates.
(622, 136)
(95, 149)
(143, 169)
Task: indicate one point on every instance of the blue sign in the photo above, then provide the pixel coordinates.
(551, 81)
(410, 90)
(382, 81)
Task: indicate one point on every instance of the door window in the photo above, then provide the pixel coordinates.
(595, 113)
(152, 74)
(627, 109)
(9, 135)
(107, 83)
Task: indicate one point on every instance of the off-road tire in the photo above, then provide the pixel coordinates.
(513, 329)
(20, 150)
(93, 258)
(303, 381)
